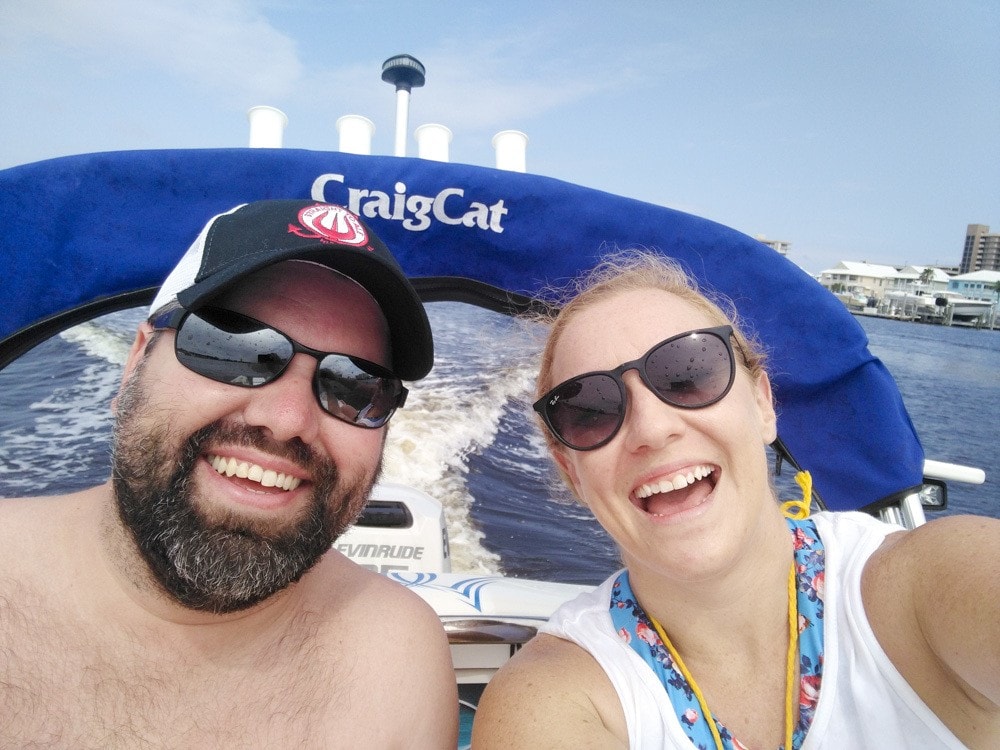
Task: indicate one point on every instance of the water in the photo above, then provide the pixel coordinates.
(466, 435)
(950, 381)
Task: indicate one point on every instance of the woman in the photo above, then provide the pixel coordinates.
(731, 624)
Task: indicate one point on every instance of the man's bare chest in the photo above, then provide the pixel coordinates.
(66, 684)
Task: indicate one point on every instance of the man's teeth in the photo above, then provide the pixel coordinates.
(678, 482)
(230, 467)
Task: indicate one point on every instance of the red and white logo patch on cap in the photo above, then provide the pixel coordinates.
(330, 224)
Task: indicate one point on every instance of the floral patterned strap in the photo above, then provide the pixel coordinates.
(635, 628)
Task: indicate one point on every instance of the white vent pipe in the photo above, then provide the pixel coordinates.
(267, 127)
(402, 117)
(432, 141)
(511, 147)
(355, 134)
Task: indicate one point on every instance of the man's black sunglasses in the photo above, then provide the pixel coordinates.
(691, 370)
(235, 349)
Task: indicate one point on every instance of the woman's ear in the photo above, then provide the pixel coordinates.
(567, 471)
(765, 405)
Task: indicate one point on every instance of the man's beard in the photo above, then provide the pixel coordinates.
(226, 563)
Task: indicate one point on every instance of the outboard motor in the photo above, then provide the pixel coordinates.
(401, 529)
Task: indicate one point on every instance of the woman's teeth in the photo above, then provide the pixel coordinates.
(676, 482)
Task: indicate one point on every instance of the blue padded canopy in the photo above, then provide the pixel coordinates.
(108, 227)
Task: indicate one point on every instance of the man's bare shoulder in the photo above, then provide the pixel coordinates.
(552, 693)
(384, 617)
(32, 526)
(27, 509)
(340, 584)
(40, 508)
(397, 644)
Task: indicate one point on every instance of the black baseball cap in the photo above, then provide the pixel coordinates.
(250, 237)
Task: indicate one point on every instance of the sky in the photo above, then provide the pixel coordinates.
(853, 130)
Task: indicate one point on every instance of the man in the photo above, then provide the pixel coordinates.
(193, 599)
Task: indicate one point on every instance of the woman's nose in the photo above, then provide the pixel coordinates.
(650, 422)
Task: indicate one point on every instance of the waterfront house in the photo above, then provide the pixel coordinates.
(859, 279)
(979, 285)
(921, 280)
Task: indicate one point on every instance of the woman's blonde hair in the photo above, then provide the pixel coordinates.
(633, 270)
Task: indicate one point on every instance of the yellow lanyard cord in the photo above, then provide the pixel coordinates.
(690, 681)
(796, 510)
(793, 650)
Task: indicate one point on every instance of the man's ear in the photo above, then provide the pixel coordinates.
(143, 336)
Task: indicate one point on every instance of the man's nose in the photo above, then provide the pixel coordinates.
(287, 406)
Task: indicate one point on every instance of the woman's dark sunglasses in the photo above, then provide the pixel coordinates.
(231, 348)
(691, 370)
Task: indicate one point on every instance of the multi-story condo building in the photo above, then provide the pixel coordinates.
(982, 250)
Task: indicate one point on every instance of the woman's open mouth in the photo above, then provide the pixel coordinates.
(684, 490)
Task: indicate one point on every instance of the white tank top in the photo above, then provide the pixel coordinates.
(864, 702)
